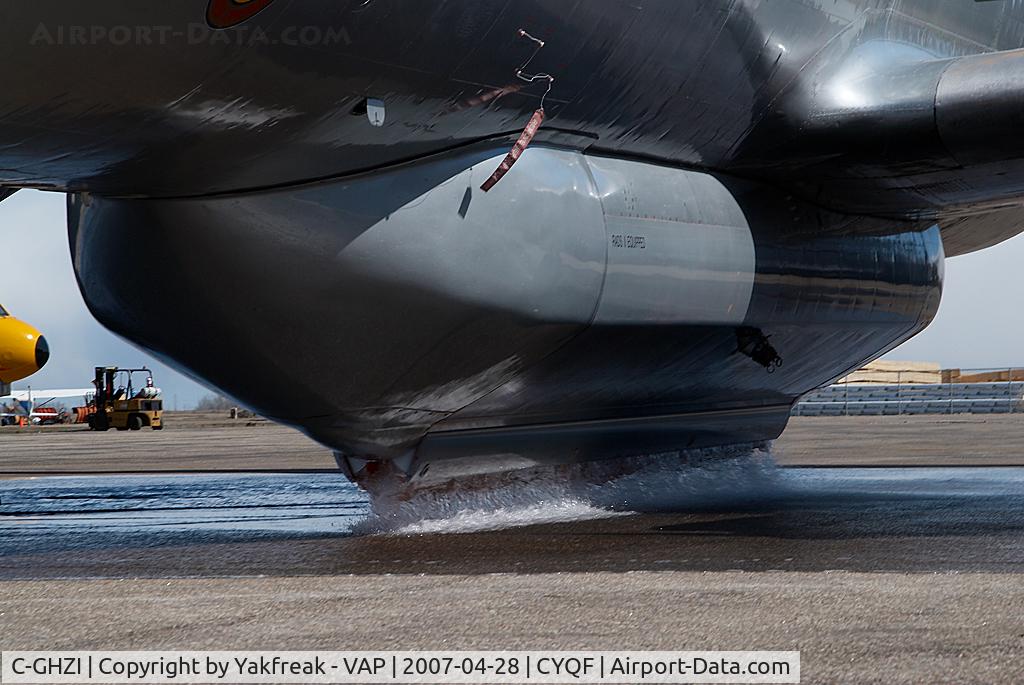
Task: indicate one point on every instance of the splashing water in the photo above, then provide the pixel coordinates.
(694, 479)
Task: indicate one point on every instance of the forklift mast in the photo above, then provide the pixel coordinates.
(104, 383)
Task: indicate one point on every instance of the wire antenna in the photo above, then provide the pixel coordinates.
(535, 122)
(523, 75)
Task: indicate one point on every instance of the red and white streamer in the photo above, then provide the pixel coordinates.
(517, 150)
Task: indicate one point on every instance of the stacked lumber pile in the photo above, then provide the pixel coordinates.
(999, 376)
(893, 373)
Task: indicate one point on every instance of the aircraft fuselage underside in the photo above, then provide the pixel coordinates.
(729, 203)
(586, 307)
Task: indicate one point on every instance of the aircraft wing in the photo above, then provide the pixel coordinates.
(937, 138)
(26, 395)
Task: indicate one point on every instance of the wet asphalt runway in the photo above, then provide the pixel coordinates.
(877, 575)
(943, 520)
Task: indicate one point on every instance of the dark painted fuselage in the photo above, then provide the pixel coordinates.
(142, 99)
(712, 177)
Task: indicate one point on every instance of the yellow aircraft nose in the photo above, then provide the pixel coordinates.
(23, 350)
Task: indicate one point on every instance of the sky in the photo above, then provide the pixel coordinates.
(980, 323)
(981, 320)
(37, 285)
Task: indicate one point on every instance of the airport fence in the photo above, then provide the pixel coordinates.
(902, 392)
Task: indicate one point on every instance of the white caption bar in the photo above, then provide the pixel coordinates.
(400, 667)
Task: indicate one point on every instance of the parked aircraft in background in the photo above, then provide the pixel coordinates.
(23, 351)
(37, 406)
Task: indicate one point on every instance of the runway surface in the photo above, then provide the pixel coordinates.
(736, 517)
(210, 442)
(876, 575)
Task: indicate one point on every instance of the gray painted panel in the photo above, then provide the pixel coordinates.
(533, 246)
(679, 247)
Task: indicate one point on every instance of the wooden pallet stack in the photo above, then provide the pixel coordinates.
(893, 373)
